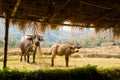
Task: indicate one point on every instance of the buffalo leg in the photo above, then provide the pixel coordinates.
(26, 54)
(21, 56)
(28, 58)
(24, 57)
(34, 57)
(67, 60)
(34, 54)
(52, 60)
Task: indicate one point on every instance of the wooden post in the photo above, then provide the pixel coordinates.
(6, 42)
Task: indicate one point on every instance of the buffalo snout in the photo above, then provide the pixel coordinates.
(77, 50)
(37, 43)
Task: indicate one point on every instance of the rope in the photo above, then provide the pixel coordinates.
(40, 56)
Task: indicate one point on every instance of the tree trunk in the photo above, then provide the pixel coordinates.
(6, 42)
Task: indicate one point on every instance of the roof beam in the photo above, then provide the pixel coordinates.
(114, 19)
(55, 14)
(26, 6)
(94, 5)
(103, 16)
(15, 8)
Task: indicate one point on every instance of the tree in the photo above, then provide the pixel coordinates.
(1, 43)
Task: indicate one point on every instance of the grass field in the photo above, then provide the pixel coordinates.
(44, 62)
(102, 63)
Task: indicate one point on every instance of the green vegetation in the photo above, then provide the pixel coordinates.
(85, 73)
(1, 43)
(91, 40)
(13, 44)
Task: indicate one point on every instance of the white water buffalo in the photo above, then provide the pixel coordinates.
(63, 49)
(28, 44)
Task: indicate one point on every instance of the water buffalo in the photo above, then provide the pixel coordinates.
(63, 49)
(28, 44)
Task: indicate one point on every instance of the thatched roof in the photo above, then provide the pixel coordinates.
(81, 13)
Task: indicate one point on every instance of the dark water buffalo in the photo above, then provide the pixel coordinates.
(63, 49)
(28, 44)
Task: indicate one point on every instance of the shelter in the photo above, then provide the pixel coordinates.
(81, 13)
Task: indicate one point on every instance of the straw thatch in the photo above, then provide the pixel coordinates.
(101, 13)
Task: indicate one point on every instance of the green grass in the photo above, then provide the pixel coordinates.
(45, 62)
(88, 72)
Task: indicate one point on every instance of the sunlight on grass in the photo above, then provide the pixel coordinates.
(45, 62)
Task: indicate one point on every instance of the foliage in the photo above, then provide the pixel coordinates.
(1, 43)
(85, 73)
(12, 44)
(91, 40)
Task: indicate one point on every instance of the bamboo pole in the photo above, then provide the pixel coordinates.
(6, 42)
(15, 8)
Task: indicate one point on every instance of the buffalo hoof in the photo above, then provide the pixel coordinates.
(33, 62)
(52, 65)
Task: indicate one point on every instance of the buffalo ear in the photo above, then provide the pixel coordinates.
(72, 47)
(78, 47)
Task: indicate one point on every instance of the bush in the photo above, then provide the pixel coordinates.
(85, 73)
